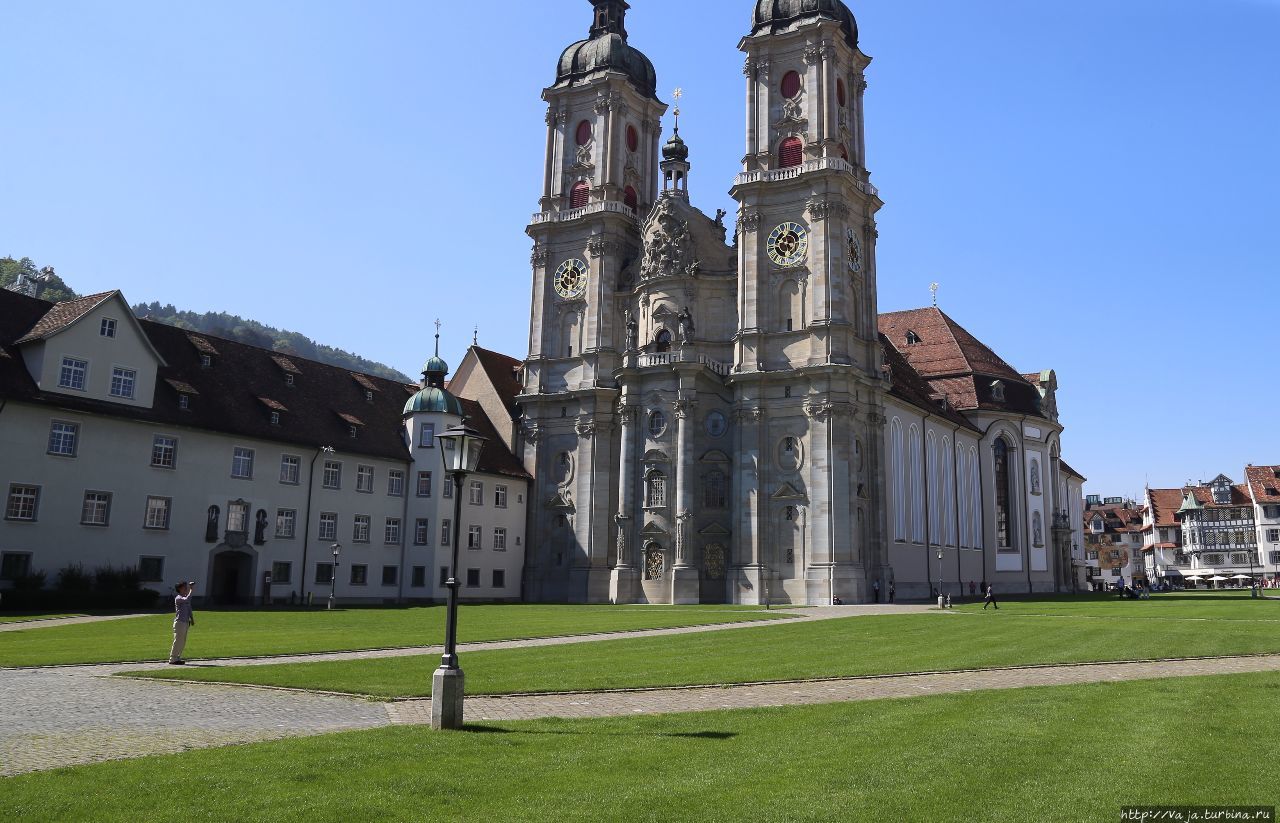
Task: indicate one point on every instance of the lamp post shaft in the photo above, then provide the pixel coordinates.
(450, 658)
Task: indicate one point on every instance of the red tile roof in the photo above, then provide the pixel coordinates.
(911, 387)
(1264, 483)
(503, 373)
(1164, 504)
(60, 315)
(957, 364)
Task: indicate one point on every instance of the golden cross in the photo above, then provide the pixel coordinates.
(677, 94)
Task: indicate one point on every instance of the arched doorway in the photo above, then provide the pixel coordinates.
(231, 578)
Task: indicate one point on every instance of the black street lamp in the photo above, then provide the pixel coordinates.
(333, 576)
(460, 447)
(941, 601)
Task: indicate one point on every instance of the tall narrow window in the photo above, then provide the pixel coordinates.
(898, 479)
(579, 195)
(714, 496)
(790, 153)
(655, 489)
(1004, 535)
(629, 198)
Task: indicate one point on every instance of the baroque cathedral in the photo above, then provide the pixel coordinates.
(716, 412)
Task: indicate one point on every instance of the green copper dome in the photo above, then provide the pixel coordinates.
(432, 399)
(435, 364)
(675, 149)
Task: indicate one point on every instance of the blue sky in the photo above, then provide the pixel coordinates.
(1092, 182)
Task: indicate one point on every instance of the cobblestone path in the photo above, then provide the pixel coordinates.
(22, 625)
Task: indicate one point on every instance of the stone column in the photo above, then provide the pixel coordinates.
(684, 575)
(624, 576)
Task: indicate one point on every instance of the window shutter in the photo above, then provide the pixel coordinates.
(791, 153)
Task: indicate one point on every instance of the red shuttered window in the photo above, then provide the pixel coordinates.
(579, 195)
(790, 153)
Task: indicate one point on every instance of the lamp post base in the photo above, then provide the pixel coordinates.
(446, 698)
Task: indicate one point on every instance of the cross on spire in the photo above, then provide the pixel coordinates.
(933, 287)
(677, 94)
(437, 337)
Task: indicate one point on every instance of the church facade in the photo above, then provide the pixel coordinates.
(717, 412)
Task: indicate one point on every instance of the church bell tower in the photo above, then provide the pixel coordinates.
(600, 178)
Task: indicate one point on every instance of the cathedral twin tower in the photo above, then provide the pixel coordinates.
(702, 403)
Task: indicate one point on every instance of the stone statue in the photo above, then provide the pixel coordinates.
(633, 330)
(685, 319)
(260, 528)
(720, 214)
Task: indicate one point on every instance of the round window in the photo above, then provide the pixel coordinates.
(790, 85)
(584, 133)
(633, 138)
(657, 423)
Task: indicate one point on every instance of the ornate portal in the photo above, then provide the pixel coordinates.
(653, 563)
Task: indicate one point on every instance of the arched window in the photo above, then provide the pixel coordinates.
(629, 198)
(962, 501)
(916, 450)
(583, 134)
(790, 307)
(840, 95)
(896, 468)
(975, 499)
(662, 340)
(579, 195)
(948, 493)
(655, 489)
(1004, 530)
(790, 153)
(714, 495)
(934, 480)
(790, 85)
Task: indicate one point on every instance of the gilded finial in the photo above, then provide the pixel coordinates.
(677, 94)
(933, 287)
(437, 338)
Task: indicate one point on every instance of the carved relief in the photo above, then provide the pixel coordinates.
(748, 221)
(538, 257)
(669, 248)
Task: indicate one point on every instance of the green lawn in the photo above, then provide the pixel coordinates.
(830, 648)
(249, 633)
(26, 618)
(1222, 605)
(1069, 753)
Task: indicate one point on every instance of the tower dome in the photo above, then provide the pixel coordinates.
(776, 16)
(433, 397)
(676, 148)
(605, 50)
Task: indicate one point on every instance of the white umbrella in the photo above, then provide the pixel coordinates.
(1193, 575)
(1218, 577)
(1241, 577)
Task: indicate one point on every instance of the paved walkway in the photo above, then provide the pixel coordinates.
(41, 623)
(61, 716)
(707, 698)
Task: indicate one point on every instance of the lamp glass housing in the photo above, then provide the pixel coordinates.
(460, 448)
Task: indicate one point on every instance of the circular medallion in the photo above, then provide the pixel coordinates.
(789, 244)
(571, 279)
(855, 251)
(716, 423)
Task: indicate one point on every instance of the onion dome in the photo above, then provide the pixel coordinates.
(606, 50)
(435, 365)
(675, 149)
(433, 399)
(777, 16)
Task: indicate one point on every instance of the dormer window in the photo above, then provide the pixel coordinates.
(352, 431)
(108, 327)
(275, 418)
(997, 391)
(184, 401)
(912, 338)
(368, 395)
(288, 379)
(206, 362)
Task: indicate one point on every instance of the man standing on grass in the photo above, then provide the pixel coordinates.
(182, 621)
(990, 599)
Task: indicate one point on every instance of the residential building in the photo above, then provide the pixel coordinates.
(1113, 528)
(131, 443)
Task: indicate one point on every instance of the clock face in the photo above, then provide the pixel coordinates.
(788, 244)
(855, 251)
(571, 279)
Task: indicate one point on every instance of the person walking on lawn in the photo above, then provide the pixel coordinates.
(990, 599)
(182, 621)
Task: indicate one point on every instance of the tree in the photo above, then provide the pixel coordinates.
(55, 289)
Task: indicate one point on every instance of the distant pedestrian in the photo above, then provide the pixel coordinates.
(875, 590)
(892, 591)
(182, 621)
(990, 599)
(973, 588)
